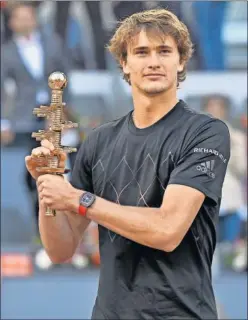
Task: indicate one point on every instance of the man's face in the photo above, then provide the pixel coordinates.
(23, 20)
(152, 63)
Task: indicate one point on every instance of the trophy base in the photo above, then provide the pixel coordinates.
(50, 212)
(52, 170)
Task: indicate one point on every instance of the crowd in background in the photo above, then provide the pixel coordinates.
(89, 30)
(38, 39)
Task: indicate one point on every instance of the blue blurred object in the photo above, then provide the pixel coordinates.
(229, 227)
(73, 34)
(210, 17)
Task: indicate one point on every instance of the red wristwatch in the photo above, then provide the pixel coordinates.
(85, 201)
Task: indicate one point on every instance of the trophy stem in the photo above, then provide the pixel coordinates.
(55, 112)
(53, 161)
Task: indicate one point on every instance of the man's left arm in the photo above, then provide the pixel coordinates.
(153, 227)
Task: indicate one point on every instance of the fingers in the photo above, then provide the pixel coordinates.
(39, 187)
(45, 149)
(28, 158)
(42, 182)
(46, 179)
(47, 144)
(31, 161)
(37, 152)
(40, 153)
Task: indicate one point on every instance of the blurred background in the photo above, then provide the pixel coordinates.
(40, 37)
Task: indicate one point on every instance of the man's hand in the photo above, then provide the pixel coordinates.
(57, 193)
(41, 154)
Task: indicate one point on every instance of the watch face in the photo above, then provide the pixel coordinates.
(87, 199)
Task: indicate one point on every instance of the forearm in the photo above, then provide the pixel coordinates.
(61, 234)
(56, 236)
(142, 225)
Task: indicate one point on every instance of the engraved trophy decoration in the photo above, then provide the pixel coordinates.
(55, 114)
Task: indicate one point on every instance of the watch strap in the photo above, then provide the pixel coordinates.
(82, 210)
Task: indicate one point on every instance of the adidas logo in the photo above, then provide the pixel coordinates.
(207, 167)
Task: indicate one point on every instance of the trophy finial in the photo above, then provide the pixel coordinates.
(57, 81)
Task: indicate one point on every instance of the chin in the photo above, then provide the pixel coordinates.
(154, 89)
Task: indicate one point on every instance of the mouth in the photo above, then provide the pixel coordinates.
(154, 75)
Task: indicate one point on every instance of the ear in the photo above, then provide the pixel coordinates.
(180, 66)
(125, 67)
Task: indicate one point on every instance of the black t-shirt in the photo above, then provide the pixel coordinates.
(132, 166)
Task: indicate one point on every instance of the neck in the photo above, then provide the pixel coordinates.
(148, 109)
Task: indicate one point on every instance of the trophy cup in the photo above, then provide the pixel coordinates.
(55, 114)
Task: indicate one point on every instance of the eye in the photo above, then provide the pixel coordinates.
(165, 51)
(141, 52)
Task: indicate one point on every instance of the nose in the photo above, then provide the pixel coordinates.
(154, 61)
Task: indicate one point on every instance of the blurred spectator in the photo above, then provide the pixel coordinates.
(5, 30)
(6, 8)
(123, 9)
(69, 30)
(7, 135)
(210, 17)
(240, 261)
(64, 24)
(29, 57)
(232, 194)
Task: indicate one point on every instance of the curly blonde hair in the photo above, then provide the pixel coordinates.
(164, 23)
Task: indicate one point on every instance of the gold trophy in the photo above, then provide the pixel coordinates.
(55, 114)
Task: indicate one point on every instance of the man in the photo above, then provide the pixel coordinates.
(152, 182)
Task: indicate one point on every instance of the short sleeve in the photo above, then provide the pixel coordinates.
(203, 160)
(81, 177)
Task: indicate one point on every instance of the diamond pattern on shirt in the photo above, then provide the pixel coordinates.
(140, 189)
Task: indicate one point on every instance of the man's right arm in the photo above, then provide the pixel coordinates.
(61, 234)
